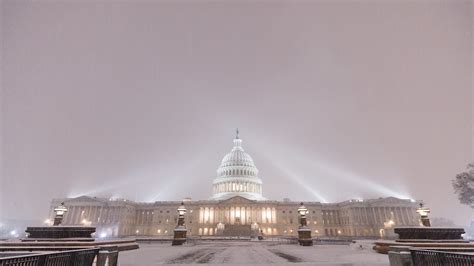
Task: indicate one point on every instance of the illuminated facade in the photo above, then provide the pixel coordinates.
(237, 208)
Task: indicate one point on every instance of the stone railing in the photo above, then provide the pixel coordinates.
(434, 257)
(442, 234)
(81, 257)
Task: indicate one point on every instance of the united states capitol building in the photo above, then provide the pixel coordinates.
(238, 208)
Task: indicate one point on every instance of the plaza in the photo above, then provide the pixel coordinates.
(252, 253)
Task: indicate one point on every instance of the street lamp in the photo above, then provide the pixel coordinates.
(423, 211)
(182, 211)
(304, 232)
(59, 211)
(302, 210)
(180, 230)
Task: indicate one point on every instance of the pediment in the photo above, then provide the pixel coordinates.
(238, 199)
(393, 200)
(84, 199)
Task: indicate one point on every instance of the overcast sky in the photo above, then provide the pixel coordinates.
(334, 100)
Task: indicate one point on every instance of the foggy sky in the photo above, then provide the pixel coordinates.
(340, 100)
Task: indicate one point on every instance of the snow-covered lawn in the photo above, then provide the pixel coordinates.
(251, 253)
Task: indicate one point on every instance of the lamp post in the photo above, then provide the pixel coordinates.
(304, 232)
(59, 211)
(423, 211)
(180, 231)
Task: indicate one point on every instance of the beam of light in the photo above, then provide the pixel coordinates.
(297, 179)
(101, 189)
(304, 185)
(358, 180)
(163, 188)
(328, 170)
(145, 184)
(355, 179)
(179, 174)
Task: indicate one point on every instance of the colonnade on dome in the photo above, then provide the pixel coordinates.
(236, 186)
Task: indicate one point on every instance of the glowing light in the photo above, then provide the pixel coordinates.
(423, 211)
(182, 210)
(61, 209)
(302, 210)
(389, 224)
(13, 232)
(103, 235)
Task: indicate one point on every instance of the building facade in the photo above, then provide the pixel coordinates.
(238, 208)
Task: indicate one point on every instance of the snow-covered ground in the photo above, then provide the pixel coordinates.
(251, 253)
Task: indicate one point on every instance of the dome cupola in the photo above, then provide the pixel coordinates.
(237, 175)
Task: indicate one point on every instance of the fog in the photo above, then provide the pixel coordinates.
(140, 100)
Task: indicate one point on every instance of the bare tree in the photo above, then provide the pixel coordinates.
(463, 186)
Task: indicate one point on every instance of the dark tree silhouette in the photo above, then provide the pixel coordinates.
(463, 186)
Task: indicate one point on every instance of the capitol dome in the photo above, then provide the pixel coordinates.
(237, 175)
